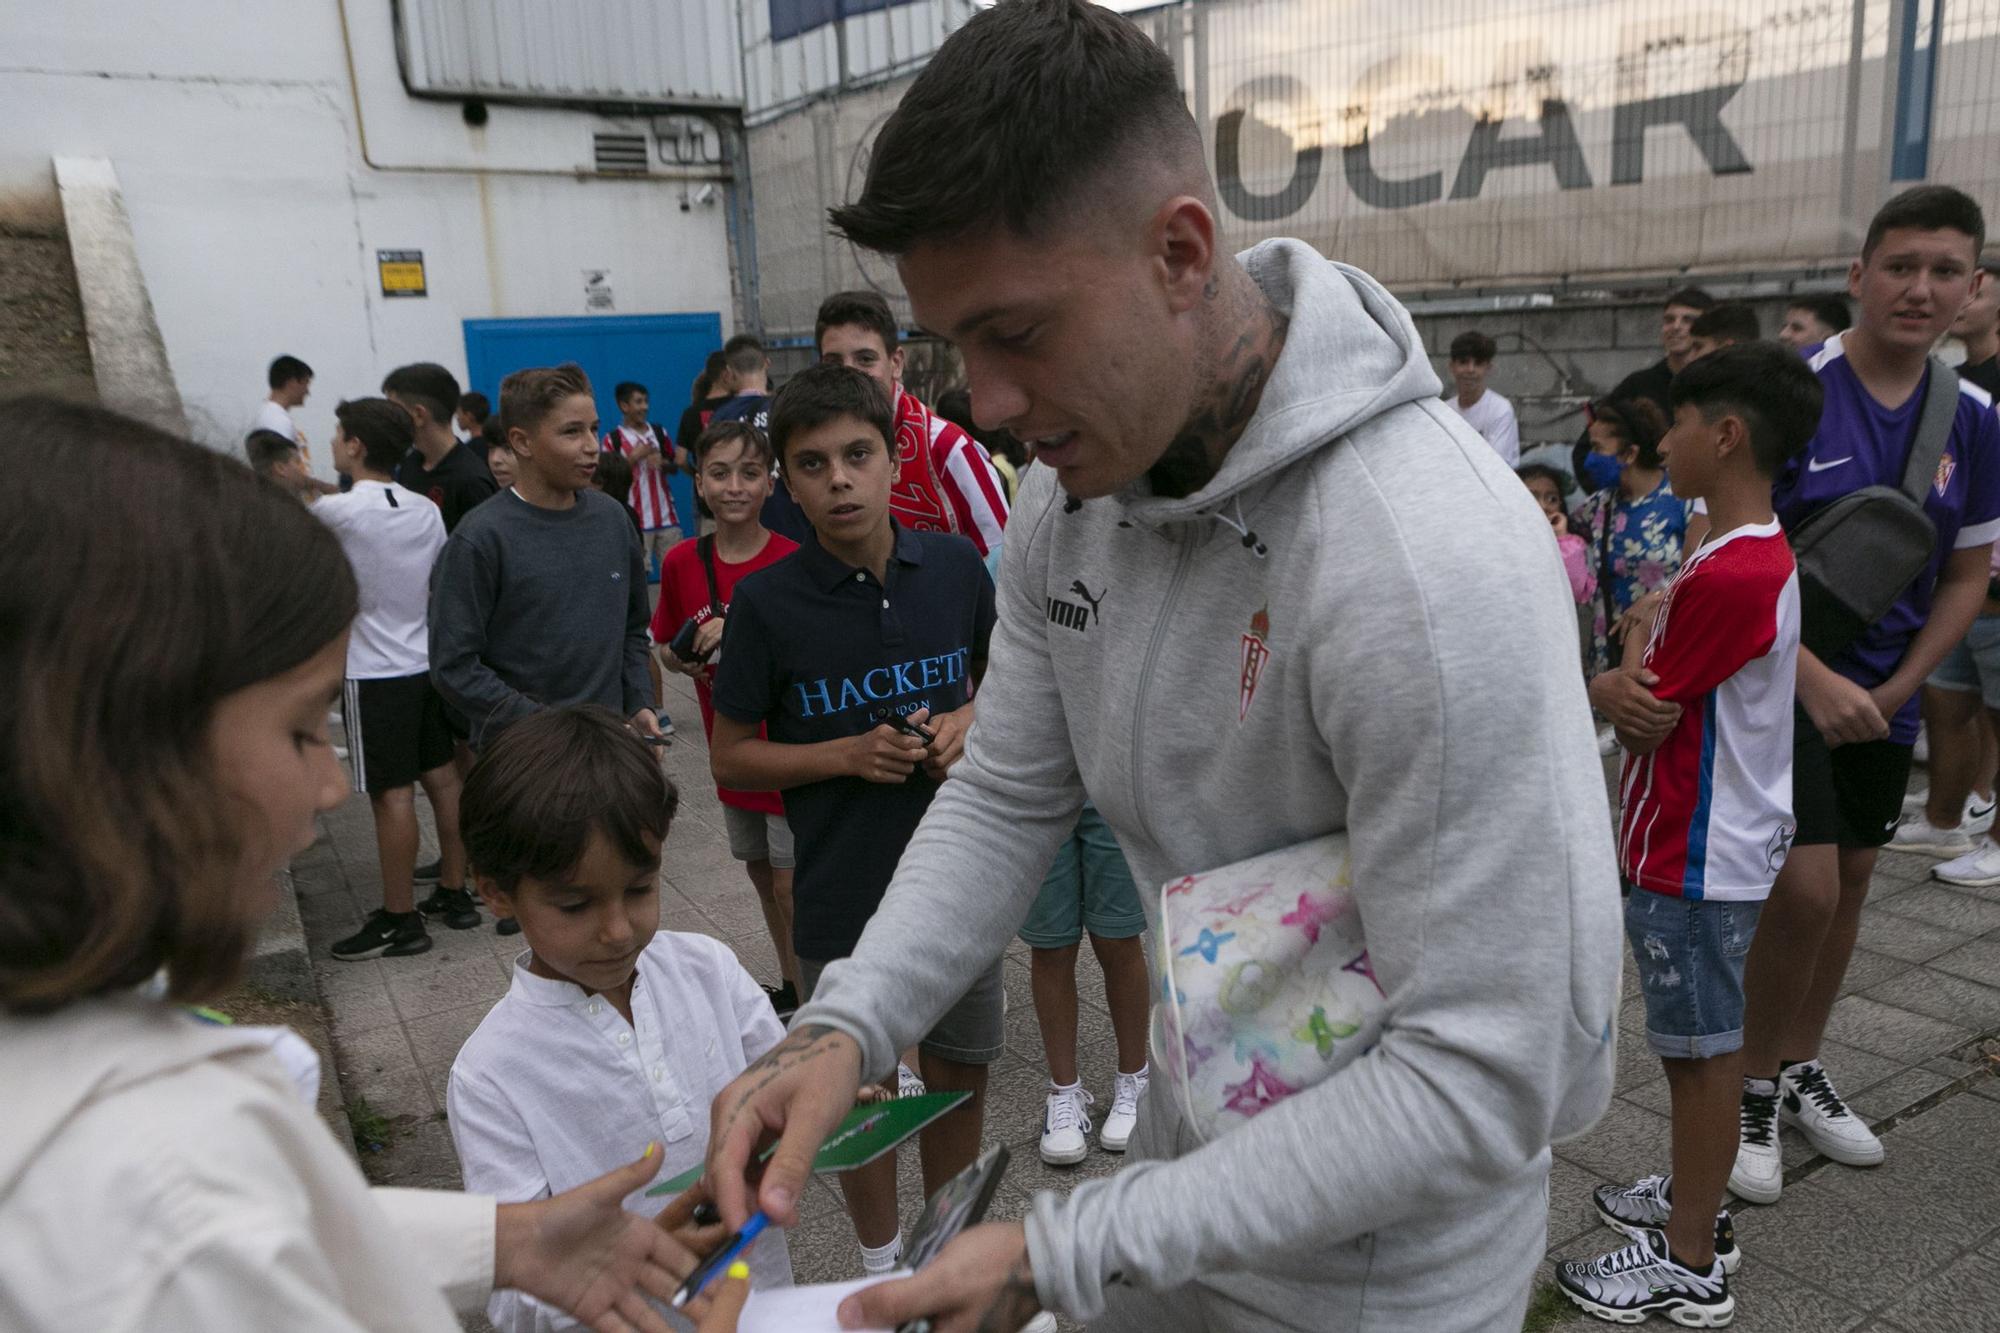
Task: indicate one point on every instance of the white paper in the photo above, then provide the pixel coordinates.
(804, 1309)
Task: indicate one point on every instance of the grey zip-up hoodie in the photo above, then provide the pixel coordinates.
(1418, 688)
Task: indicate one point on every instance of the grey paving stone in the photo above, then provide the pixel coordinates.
(1570, 1211)
(1941, 995)
(419, 991)
(733, 911)
(1964, 1298)
(1988, 1088)
(1868, 968)
(1653, 1096)
(1905, 937)
(1853, 1069)
(1954, 1122)
(379, 1050)
(1636, 1062)
(1628, 1141)
(392, 1092)
(361, 1010)
(1977, 960)
(1897, 1033)
(1769, 1298)
(436, 1038)
(1952, 909)
(1900, 867)
(1896, 1094)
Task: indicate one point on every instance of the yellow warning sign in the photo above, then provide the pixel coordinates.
(402, 272)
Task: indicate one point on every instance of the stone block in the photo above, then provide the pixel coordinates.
(1897, 1033)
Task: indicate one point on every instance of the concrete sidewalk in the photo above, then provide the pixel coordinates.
(1913, 1245)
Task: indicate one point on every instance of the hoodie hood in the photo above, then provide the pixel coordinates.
(59, 1063)
(1351, 353)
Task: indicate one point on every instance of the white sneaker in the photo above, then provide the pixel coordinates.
(1041, 1323)
(1914, 803)
(1977, 869)
(907, 1082)
(1808, 1103)
(1759, 1173)
(1125, 1099)
(1978, 814)
(1920, 837)
(1920, 753)
(1065, 1125)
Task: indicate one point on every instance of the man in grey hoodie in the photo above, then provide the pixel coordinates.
(1233, 450)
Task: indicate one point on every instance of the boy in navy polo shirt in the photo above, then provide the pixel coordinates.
(859, 654)
(1857, 718)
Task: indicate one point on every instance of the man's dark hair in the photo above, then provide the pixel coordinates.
(475, 405)
(429, 384)
(745, 354)
(1472, 345)
(1832, 311)
(286, 369)
(614, 475)
(548, 782)
(1013, 120)
(1690, 298)
(1767, 385)
(626, 388)
(267, 450)
(821, 393)
(724, 433)
(866, 309)
(711, 371)
(1927, 208)
(384, 429)
(1729, 322)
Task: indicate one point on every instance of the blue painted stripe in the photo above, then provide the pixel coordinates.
(1917, 62)
(790, 18)
(1696, 879)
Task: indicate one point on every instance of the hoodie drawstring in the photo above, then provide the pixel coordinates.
(1239, 526)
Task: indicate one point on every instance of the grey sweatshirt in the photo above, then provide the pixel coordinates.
(1421, 692)
(535, 607)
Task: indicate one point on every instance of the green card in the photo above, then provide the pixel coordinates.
(866, 1133)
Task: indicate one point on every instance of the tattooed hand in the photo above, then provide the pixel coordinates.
(798, 1092)
(982, 1282)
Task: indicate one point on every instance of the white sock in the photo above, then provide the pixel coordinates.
(882, 1258)
(1065, 1087)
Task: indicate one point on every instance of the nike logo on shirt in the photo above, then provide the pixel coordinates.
(1816, 466)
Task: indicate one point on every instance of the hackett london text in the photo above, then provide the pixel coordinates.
(837, 694)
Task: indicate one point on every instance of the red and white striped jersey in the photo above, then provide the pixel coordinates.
(651, 500)
(1709, 813)
(944, 482)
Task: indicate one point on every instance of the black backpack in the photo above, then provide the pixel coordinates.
(1858, 555)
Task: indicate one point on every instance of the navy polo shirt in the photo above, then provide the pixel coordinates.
(818, 650)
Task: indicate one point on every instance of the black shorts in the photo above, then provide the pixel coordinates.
(396, 731)
(1850, 795)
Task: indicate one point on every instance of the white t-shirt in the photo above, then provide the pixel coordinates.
(555, 1088)
(1493, 417)
(271, 417)
(392, 537)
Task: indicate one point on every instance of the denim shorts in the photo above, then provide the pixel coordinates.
(1690, 953)
(1088, 887)
(1974, 664)
(972, 1032)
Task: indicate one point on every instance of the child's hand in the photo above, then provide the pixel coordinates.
(884, 755)
(949, 745)
(1638, 618)
(1626, 698)
(1560, 522)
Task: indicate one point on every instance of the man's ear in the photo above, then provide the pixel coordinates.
(496, 902)
(1732, 435)
(1181, 239)
(517, 440)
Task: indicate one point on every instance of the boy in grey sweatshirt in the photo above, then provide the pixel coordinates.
(1316, 601)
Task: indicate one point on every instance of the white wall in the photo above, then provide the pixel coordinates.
(239, 141)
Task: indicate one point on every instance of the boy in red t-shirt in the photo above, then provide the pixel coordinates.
(733, 476)
(1704, 709)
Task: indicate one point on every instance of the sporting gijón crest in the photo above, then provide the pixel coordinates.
(1256, 655)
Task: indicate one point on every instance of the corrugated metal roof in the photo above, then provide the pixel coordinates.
(649, 51)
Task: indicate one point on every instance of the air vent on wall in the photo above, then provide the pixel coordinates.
(622, 153)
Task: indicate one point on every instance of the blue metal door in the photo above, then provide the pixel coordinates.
(662, 352)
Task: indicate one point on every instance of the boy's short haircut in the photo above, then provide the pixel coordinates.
(626, 388)
(744, 354)
(429, 384)
(1832, 311)
(1472, 345)
(547, 782)
(475, 405)
(1637, 421)
(268, 451)
(821, 393)
(526, 396)
(1927, 208)
(1766, 384)
(493, 432)
(1690, 298)
(614, 475)
(723, 433)
(1562, 481)
(286, 369)
(1728, 322)
(384, 429)
(864, 309)
(1016, 121)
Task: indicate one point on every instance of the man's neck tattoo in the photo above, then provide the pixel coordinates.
(1192, 460)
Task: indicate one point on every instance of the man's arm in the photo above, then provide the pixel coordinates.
(637, 648)
(464, 590)
(742, 760)
(1955, 604)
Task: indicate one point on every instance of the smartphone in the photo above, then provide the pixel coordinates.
(909, 728)
(662, 741)
(959, 1203)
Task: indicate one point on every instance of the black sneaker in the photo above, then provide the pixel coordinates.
(385, 935)
(784, 999)
(507, 925)
(453, 906)
(429, 874)
(1647, 1205)
(1626, 1285)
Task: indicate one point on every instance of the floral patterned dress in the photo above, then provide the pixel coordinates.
(1635, 547)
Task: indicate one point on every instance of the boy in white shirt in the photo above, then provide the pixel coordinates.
(396, 730)
(614, 1031)
(1472, 354)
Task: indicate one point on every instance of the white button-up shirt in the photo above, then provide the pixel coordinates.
(555, 1088)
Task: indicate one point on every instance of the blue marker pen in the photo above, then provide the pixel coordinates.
(712, 1267)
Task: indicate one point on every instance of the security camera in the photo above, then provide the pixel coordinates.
(705, 195)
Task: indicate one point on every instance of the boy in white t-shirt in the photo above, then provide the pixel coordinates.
(396, 730)
(614, 1032)
(1472, 354)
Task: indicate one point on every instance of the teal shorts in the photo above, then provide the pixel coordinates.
(1088, 887)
